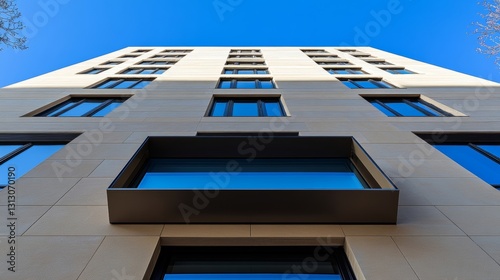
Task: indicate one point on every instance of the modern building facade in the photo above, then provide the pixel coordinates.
(250, 163)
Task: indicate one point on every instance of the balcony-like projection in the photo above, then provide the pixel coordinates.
(245, 179)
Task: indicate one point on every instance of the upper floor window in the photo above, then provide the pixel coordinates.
(94, 71)
(406, 107)
(112, 62)
(83, 107)
(246, 83)
(366, 83)
(145, 71)
(245, 63)
(129, 56)
(177, 51)
(156, 62)
(247, 107)
(168, 56)
(322, 56)
(313, 51)
(337, 62)
(376, 62)
(245, 56)
(116, 83)
(340, 71)
(254, 71)
(398, 70)
(347, 50)
(142, 51)
(245, 51)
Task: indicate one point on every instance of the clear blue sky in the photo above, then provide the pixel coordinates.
(64, 32)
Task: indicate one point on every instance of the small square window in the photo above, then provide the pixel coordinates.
(246, 84)
(116, 83)
(83, 107)
(406, 107)
(247, 107)
(249, 263)
(366, 83)
(398, 70)
(94, 71)
(343, 71)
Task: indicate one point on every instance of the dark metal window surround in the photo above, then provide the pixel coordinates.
(347, 50)
(177, 51)
(407, 107)
(246, 71)
(313, 51)
(345, 71)
(376, 202)
(112, 63)
(95, 71)
(246, 84)
(256, 107)
(255, 262)
(398, 70)
(145, 71)
(245, 63)
(169, 56)
(129, 83)
(365, 83)
(334, 63)
(83, 107)
(378, 62)
(157, 62)
(323, 56)
(142, 51)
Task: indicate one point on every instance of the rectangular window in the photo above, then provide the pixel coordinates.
(347, 50)
(323, 56)
(364, 55)
(129, 56)
(246, 84)
(116, 83)
(482, 159)
(247, 107)
(378, 62)
(254, 71)
(249, 263)
(168, 56)
(245, 63)
(334, 63)
(83, 107)
(112, 63)
(313, 51)
(366, 83)
(245, 56)
(94, 71)
(157, 62)
(398, 70)
(145, 71)
(245, 51)
(406, 107)
(177, 51)
(141, 51)
(341, 71)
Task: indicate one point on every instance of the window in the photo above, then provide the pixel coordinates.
(482, 159)
(25, 151)
(116, 83)
(246, 83)
(334, 63)
(141, 51)
(313, 51)
(247, 107)
(295, 179)
(83, 107)
(348, 50)
(249, 263)
(129, 56)
(245, 56)
(365, 83)
(112, 63)
(156, 62)
(245, 51)
(177, 51)
(379, 62)
(145, 71)
(247, 71)
(168, 56)
(406, 107)
(322, 56)
(245, 63)
(345, 71)
(398, 70)
(95, 71)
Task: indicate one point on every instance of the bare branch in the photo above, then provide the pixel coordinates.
(11, 26)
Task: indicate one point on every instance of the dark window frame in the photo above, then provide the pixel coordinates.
(260, 101)
(393, 71)
(177, 51)
(119, 81)
(106, 101)
(88, 71)
(348, 69)
(242, 51)
(409, 101)
(380, 83)
(255, 71)
(156, 69)
(157, 62)
(257, 81)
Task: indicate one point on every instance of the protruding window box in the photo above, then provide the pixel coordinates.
(252, 179)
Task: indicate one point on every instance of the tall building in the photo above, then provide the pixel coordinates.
(250, 163)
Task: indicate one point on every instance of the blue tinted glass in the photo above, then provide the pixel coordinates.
(382, 84)
(366, 84)
(262, 72)
(245, 84)
(107, 84)
(260, 174)
(383, 109)
(427, 108)
(6, 149)
(146, 63)
(492, 149)
(219, 108)
(266, 84)
(94, 71)
(245, 109)
(356, 71)
(148, 71)
(349, 84)
(125, 84)
(225, 84)
(399, 71)
(341, 71)
(273, 109)
(160, 71)
(227, 71)
(63, 107)
(27, 160)
(472, 160)
(245, 71)
(132, 71)
(256, 276)
(405, 109)
(81, 109)
(142, 84)
(104, 111)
